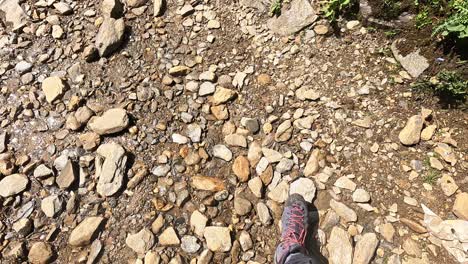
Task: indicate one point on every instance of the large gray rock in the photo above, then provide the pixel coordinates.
(110, 35)
(414, 63)
(110, 168)
(339, 247)
(300, 15)
(12, 14)
(13, 185)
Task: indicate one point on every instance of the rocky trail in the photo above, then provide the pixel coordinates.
(173, 132)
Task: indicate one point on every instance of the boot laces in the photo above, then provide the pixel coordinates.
(295, 230)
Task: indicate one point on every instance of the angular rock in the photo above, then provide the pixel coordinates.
(140, 242)
(304, 187)
(242, 206)
(218, 239)
(387, 231)
(448, 185)
(284, 131)
(361, 196)
(110, 168)
(42, 172)
(460, 207)
(198, 223)
(112, 121)
(339, 247)
(222, 152)
(180, 70)
(84, 232)
(428, 132)
(365, 249)
(346, 213)
(236, 140)
(169, 237)
(51, 205)
(280, 192)
(13, 14)
(414, 63)
(256, 186)
(263, 213)
(207, 183)
(272, 155)
(446, 152)
(345, 183)
(411, 133)
(67, 176)
(112, 8)
(158, 6)
(53, 87)
(222, 95)
(312, 165)
(300, 15)
(40, 253)
(241, 168)
(110, 36)
(13, 185)
(305, 93)
(189, 244)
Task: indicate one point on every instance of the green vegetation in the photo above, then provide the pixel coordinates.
(334, 8)
(456, 24)
(392, 8)
(431, 176)
(275, 8)
(449, 85)
(423, 19)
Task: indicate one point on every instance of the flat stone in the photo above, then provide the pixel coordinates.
(13, 185)
(460, 207)
(365, 248)
(346, 213)
(263, 213)
(110, 168)
(245, 240)
(207, 183)
(435, 163)
(14, 15)
(53, 87)
(236, 140)
(413, 225)
(280, 192)
(112, 121)
(284, 131)
(345, 183)
(272, 155)
(448, 185)
(428, 132)
(198, 223)
(169, 237)
(213, 24)
(189, 244)
(67, 176)
(300, 15)
(242, 206)
(306, 93)
(218, 239)
(84, 232)
(90, 140)
(161, 171)
(251, 124)
(412, 248)
(51, 205)
(222, 152)
(42, 172)
(40, 253)
(110, 36)
(194, 132)
(285, 165)
(361, 196)
(411, 133)
(321, 29)
(180, 70)
(223, 95)
(446, 152)
(241, 168)
(23, 227)
(339, 247)
(23, 67)
(221, 112)
(206, 88)
(304, 187)
(179, 139)
(140, 242)
(387, 231)
(414, 63)
(256, 186)
(312, 165)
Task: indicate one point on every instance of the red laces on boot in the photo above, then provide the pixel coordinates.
(295, 232)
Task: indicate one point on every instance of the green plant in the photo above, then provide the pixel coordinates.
(334, 8)
(392, 8)
(275, 8)
(449, 85)
(423, 19)
(391, 33)
(457, 23)
(431, 176)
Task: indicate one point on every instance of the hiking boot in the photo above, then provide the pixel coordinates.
(294, 223)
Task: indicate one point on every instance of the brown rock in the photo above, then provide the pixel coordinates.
(40, 253)
(413, 225)
(67, 176)
(207, 183)
(84, 232)
(220, 112)
(264, 79)
(241, 168)
(411, 133)
(460, 208)
(90, 140)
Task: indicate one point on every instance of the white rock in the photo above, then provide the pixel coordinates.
(222, 152)
(304, 187)
(339, 247)
(218, 239)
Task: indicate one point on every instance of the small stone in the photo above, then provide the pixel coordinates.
(194, 132)
(207, 183)
(285, 165)
(53, 87)
(346, 213)
(84, 232)
(448, 185)
(51, 205)
(136, 3)
(263, 79)
(345, 183)
(256, 186)
(57, 32)
(90, 140)
(280, 192)
(339, 247)
(284, 131)
(221, 112)
(161, 171)
(218, 239)
(312, 165)
(365, 248)
(241, 168)
(413, 225)
(207, 76)
(157, 224)
(272, 155)
(387, 231)
(110, 168)
(411, 133)
(42, 172)
(158, 6)
(140, 242)
(446, 152)
(222, 95)
(352, 25)
(242, 206)
(179, 70)
(412, 248)
(251, 124)
(460, 207)
(67, 176)
(236, 140)
(435, 163)
(361, 196)
(305, 187)
(198, 223)
(263, 213)
(23, 227)
(13, 185)
(112, 121)
(205, 257)
(428, 132)
(321, 29)
(40, 253)
(206, 88)
(169, 237)
(213, 24)
(110, 36)
(306, 93)
(179, 139)
(23, 67)
(189, 244)
(222, 152)
(245, 240)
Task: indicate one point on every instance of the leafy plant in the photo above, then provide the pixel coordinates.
(449, 85)
(423, 19)
(275, 8)
(392, 8)
(457, 23)
(431, 176)
(334, 8)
